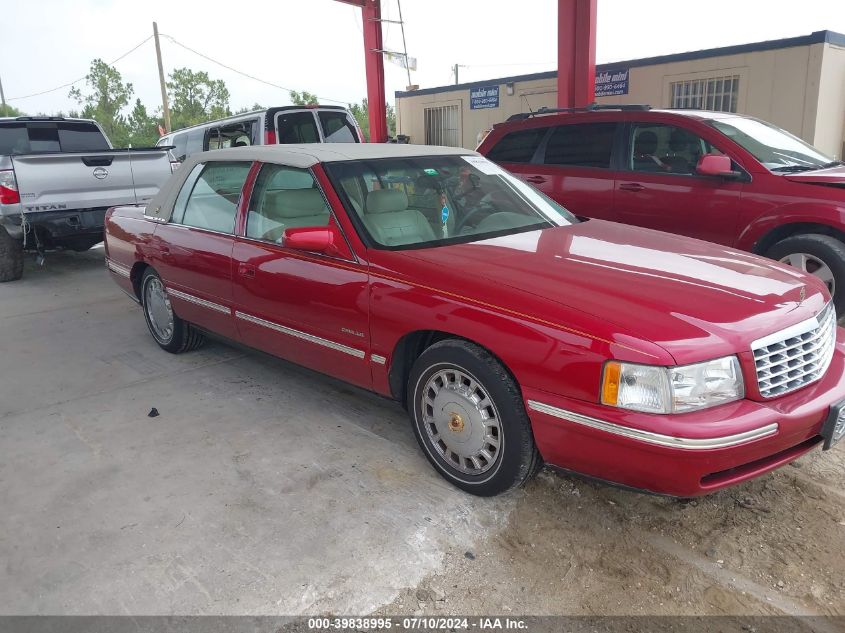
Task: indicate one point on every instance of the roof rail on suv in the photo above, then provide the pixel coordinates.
(590, 108)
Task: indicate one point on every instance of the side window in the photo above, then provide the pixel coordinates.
(178, 214)
(283, 198)
(180, 146)
(337, 127)
(193, 142)
(213, 201)
(517, 147)
(666, 149)
(233, 135)
(296, 127)
(581, 145)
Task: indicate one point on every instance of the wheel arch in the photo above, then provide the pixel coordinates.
(136, 274)
(411, 346)
(779, 233)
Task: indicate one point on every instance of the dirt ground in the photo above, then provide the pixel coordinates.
(773, 546)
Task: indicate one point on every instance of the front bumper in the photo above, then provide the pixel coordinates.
(687, 454)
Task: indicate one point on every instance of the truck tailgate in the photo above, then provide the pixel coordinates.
(53, 182)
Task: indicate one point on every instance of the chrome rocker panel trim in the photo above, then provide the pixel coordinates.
(118, 269)
(197, 301)
(687, 443)
(357, 353)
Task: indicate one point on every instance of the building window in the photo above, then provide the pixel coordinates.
(442, 126)
(716, 93)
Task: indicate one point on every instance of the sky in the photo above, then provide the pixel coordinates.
(317, 45)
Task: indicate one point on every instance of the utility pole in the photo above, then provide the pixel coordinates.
(164, 105)
(2, 96)
(455, 69)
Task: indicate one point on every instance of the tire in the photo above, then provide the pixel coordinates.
(11, 257)
(174, 336)
(824, 249)
(448, 387)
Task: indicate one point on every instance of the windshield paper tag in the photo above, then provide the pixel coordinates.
(483, 165)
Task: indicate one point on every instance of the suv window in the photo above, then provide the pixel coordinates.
(296, 127)
(284, 197)
(581, 145)
(517, 147)
(666, 149)
(337, 127)
(214, 199)
(238, 134)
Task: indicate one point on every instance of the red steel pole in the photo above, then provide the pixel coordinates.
(374, 64)
(576, 53)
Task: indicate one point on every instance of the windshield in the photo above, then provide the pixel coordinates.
(777, 149)
(435, 200)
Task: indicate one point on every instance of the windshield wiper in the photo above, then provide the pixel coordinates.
(791, 168)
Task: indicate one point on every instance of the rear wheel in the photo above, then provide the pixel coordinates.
(11, 257)
(820, 255)
(469, 418)
(170, 332)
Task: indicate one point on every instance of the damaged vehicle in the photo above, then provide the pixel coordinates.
(513, 332)
(57, 178)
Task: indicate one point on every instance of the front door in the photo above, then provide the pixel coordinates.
(309, 308)
(659, 189)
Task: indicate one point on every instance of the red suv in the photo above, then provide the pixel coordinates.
(716, 176)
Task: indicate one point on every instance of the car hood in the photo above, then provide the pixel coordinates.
(695, 299)
(833, 176)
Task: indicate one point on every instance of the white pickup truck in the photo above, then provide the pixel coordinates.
(58, 177)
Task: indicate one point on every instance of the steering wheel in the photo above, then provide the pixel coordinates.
(482, 206)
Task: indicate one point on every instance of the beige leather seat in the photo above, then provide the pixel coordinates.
(391, 223)
(290, 208)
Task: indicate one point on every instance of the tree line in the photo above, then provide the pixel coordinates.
(193, 97)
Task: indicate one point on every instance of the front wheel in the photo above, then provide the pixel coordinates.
(820, 255)
(170, 332)
(469, 419)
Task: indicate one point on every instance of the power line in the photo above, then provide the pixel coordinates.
(240, 72)
(76, 81)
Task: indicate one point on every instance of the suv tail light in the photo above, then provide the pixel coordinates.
(9, 188)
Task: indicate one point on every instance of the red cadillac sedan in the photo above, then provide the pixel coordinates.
(512, 331)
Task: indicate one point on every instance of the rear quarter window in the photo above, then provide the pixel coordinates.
(517, 147)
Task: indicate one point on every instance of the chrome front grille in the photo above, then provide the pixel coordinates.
(794, 357)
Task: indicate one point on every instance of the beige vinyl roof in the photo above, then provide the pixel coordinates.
(310, 154)
(302, 156)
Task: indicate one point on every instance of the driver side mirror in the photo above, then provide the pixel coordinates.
(717, 165)
(314, 239)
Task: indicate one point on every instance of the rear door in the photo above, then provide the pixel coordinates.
(195, 247)
(658, 188)
(574, 166)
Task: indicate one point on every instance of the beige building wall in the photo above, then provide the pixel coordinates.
(830, 120)
(800, 88)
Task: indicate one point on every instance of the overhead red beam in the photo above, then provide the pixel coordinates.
(576, 53)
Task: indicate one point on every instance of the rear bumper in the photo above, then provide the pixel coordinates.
(66, 228)
(689, 454)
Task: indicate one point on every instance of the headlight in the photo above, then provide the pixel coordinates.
(655, 389)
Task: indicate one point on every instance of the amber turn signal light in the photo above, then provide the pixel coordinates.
(610, 383)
